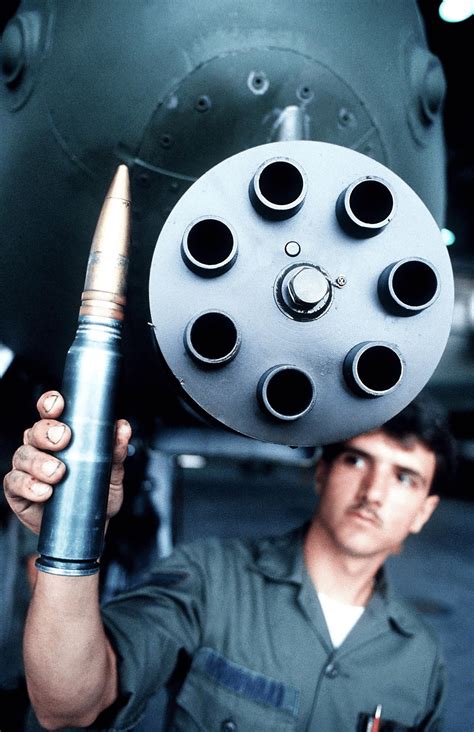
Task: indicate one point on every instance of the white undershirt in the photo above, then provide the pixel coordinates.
(340, 617)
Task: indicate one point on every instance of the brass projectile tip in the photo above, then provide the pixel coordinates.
(105, 285)
(120, 186)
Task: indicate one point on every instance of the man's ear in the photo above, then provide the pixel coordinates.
(425, 512)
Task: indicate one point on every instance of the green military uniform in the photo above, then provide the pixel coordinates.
(237, 627)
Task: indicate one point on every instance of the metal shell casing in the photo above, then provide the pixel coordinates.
(72, 529)
(334, 351)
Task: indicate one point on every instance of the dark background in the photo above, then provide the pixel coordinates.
(452, 43)
(256, 496)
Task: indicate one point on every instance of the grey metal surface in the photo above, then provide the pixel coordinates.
(172, 89)
(318, 345)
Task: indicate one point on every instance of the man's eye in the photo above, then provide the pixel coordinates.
(353, 459)
(406, 478)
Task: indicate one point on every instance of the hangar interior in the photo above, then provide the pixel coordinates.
(188, 477)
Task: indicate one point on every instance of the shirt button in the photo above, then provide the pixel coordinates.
(229, 726)
(331, 670)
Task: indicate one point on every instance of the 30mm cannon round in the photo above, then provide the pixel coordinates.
(72, 530)
(330, 297)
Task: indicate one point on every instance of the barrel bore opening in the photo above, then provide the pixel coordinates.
(371, 202)
(210, 242)
(379, 369)
(289, 393)
(415, 284)
(212, 338)
(281, 183)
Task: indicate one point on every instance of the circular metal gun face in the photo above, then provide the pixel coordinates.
(300, 293)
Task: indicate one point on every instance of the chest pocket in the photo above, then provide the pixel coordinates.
(221, 696)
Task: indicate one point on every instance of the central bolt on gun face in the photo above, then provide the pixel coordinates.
(307, 287)
(295, 290)
(72, 529)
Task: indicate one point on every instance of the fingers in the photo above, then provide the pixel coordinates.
(30, 483)
(50, 405)
(20, 487)
(35, 469)
(25, 495)
(123, 433)
(37, 465)
(47, 434)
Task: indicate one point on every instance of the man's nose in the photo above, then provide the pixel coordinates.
(374, 485)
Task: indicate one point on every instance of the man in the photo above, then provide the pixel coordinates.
(298, 632)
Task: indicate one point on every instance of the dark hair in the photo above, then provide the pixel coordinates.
(423, 420)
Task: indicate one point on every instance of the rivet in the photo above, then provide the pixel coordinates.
(304, 92)
(203, 103)
(166, 140)
(346, 118)
(292, 248)
(258, 82)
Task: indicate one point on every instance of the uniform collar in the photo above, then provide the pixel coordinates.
(281, 559)
(383, 600)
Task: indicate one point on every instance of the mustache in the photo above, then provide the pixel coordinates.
(367, 508)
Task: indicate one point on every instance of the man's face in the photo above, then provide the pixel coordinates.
(375, 493)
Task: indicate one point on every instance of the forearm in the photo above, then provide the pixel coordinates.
(69, 663)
